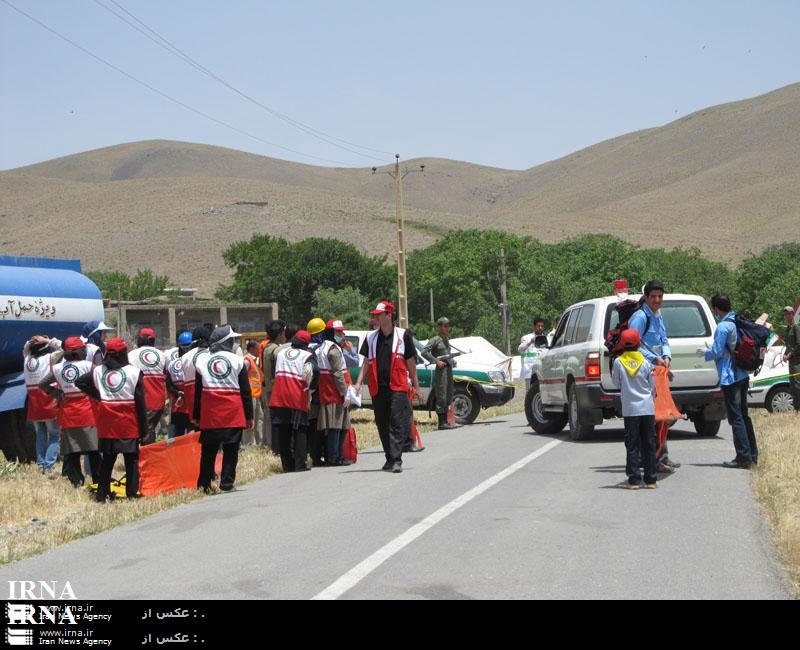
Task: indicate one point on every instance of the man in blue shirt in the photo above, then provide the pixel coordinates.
(734, 382)
(649, 322)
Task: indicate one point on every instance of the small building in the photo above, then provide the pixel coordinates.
(167, 320)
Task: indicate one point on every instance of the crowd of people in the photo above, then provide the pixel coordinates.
(95, 397)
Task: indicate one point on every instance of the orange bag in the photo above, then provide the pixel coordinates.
(169, 466)
(667, 413)
(350, 451)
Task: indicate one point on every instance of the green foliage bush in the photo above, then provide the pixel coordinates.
(328, 278)
(118, 285)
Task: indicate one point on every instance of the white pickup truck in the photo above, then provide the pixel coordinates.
(571, 379)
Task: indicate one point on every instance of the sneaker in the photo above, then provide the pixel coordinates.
(387, 466)
(632, 486)
(672, 464)
(397, 467)
(736, 464)
(663, 468)
(651, 486)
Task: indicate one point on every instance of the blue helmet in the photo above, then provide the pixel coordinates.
(185, 339)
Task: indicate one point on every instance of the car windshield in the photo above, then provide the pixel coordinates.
(682, 319)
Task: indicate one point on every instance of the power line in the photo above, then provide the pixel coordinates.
(176, 51)
(170, 98)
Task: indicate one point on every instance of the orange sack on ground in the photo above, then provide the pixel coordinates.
(169, 466)
(667, 413)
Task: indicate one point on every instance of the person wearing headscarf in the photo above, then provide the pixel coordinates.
(153, 364)
(333, 417)
(296, 376)
(75, 412)
(222, 406)
(40, 353)
(120, 414)
(94, 335)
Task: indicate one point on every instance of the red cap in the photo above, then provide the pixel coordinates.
(303, 336)
(630, 339)
(384, 307)
(116, 345)
(335, 324)
(74, 343)
(146, 331)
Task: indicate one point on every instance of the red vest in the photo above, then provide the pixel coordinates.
(221, 401)
(116, 411)
(76, 408)
(328, 392)
(289, 389)
(398, 375)
(188, 367)
(152, 363)
(40, 405)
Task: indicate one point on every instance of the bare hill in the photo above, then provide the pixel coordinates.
(725, 179)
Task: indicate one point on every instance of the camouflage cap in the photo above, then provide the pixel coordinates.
(443, 321)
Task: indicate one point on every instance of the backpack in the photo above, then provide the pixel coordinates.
(751, 344)
(626, 309)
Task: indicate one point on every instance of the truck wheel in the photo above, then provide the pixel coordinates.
(17, 439)
(540, 420)
(780, 400)
(577, 430)
(466, 404)
(706, 428)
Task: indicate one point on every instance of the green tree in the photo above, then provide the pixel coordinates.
(347, 304)
(270, 269)
(142, 286)
(769, 281)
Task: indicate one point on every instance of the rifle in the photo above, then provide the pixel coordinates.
(448, 358)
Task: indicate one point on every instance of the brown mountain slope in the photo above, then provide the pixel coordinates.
(725, 179)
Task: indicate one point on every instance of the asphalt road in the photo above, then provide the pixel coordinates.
(555, 524)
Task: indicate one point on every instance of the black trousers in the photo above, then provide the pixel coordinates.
(72, 467)
(131, 474)
(180, 424)
(293, 445)
(153, 418)
(640, 443)
(230, 458)
(393, 419)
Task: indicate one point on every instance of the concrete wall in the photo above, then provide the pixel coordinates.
(168, 320)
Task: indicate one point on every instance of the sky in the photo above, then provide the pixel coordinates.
(504, 83)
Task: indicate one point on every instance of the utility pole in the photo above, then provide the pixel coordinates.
(504, 303)
(402, 290)
(431, 304)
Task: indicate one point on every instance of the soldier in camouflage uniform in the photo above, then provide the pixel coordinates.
(443, 375)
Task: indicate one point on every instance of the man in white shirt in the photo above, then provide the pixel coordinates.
(529, 349)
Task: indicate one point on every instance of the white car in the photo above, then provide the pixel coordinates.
(770, 387)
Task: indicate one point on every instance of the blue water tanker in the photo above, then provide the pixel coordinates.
(37, 296)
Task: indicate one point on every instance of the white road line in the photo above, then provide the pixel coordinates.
(363, 569)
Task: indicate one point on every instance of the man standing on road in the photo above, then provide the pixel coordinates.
(276, 331)
(223, 407)
(390, 359)
(792, 355)
(153, 365)
(734, 382)
(439, 346)
(528, 349)
(649, 322)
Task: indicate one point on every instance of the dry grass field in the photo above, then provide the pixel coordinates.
(139, 203)
(777, 483)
